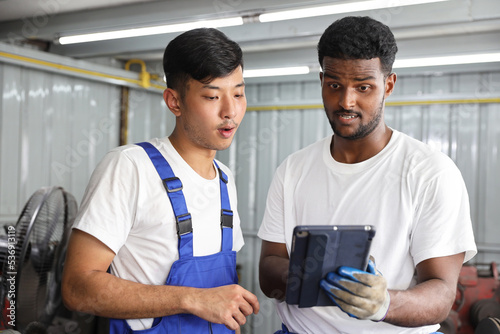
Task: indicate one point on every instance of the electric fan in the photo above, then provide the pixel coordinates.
(34, 251)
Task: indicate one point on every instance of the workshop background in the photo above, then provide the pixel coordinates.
(63, 106)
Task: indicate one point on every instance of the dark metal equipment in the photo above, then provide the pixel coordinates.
(32, 254)
(477, 304)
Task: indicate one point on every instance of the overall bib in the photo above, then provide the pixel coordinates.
(194, 271)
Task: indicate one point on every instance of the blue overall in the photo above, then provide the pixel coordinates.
(195, 271)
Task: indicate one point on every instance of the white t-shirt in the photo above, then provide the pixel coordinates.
(127, 208)
(414, 196)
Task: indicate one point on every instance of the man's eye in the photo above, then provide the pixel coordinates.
(211, 98)
(364, 88)
(334, 85)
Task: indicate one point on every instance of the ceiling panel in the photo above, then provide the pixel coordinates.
(448, 27)
(16, 9)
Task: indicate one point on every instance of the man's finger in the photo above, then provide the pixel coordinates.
(232, 324)
(240, 318)
(246, 308)
(253, 301)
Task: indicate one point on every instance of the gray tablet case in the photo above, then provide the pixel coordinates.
(320, 249)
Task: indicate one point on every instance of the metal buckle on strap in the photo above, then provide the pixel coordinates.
(175, 184)
(184, 226)
(226, 218)
(222, 176)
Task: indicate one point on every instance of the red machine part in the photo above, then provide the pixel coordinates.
(478, 297)
(4, 323)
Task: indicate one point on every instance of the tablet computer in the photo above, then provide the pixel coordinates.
(320, 249)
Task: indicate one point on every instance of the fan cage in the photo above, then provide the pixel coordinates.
(41, 236)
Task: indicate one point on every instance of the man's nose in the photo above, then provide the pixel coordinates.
(228, 107)
(348, 99)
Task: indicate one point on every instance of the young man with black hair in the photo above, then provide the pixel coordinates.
(369, 174)
(161, 215)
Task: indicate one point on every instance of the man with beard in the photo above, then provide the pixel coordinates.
(368, 174)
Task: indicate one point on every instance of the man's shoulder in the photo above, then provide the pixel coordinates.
(135, 151)
(122, 155)
(423, 155)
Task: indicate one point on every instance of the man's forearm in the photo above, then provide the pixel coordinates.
(425, 304)
(102, 294)
(273, 272)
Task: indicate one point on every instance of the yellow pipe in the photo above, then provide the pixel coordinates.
(290, 107)
(124, 111)
(78, 70)
(458, 101)
(388, 103)
(144, 76)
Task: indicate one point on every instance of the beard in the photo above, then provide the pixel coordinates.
(364, 129)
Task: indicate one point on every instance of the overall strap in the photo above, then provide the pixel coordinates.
(173, 186)
(226, 217)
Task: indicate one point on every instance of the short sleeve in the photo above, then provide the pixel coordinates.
(109, 204)
(443, 224)
(273, 224)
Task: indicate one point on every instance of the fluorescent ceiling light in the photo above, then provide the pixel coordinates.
(270, 72)
(146, 31)
(399, 63)
(338, 9)
(447, 60)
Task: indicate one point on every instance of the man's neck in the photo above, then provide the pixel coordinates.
(354, 151)
(199, 159)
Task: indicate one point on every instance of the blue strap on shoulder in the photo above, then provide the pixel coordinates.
(173, 186)
(226, 217)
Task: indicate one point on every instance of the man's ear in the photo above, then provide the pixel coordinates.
(390, 82)
(173, 101)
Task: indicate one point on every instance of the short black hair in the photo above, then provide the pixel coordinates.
(202, 54)
(359, 37)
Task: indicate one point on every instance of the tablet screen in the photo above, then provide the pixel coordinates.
(320, 249)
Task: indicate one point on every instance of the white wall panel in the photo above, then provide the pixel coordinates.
(10, 152)
(148, 116)
(488, 213)
(54, 129)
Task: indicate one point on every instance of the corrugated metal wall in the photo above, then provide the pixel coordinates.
(148, 116)
(55, 128)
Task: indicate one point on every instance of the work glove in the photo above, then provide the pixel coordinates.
(360, 294)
